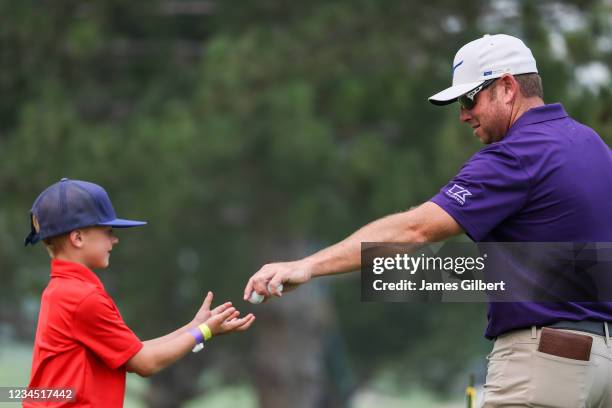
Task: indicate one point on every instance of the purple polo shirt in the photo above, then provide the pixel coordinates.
(548, 180)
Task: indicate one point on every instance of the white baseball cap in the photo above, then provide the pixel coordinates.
(488, 57)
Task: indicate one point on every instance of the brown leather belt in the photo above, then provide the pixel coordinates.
(588, 326)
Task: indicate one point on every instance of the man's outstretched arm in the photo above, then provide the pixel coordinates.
(425, 223)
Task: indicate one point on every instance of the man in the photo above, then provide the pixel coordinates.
(542, 177)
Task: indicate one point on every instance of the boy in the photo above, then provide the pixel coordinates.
(82, 343)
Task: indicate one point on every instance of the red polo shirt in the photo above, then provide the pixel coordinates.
(81, 340)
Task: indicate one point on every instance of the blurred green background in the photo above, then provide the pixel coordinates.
(254, 131)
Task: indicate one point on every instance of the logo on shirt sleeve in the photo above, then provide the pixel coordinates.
(458, 193)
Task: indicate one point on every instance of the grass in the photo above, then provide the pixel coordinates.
(16, 360)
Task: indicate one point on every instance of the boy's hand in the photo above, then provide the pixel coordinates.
(205, 313)
(226, 320)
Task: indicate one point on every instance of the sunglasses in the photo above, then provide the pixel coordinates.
(468, 100)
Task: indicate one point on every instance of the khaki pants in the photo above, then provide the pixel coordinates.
(520, 376)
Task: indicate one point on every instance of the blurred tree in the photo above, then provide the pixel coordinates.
(258, 133)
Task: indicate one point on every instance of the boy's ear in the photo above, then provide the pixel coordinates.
(76, 238)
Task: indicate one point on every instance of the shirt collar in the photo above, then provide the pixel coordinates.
(73, 270)
(540, 114)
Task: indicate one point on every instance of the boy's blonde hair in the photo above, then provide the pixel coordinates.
(55, 244)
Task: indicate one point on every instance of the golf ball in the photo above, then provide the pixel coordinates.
(279, 287)
(256, 298)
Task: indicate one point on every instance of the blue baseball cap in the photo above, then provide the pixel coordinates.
(72, 204)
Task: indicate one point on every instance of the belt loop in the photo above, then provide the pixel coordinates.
(534, 332)
(607, 331)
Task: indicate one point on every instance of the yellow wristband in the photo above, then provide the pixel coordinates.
(205, 331)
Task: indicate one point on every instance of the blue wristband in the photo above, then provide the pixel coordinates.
(197, 334)
(199, 339)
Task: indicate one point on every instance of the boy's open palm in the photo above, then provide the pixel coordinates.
(205, 313)
(226, 320)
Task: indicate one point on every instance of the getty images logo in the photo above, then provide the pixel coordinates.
(458, 193)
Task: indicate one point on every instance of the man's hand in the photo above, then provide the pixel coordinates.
(226, 321)
(205, 313)
(270, 276)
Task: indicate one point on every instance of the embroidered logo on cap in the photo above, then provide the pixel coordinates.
(35, 224)
(458, 193)
(457, 66)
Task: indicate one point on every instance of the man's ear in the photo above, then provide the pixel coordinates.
(76, 238)
(510, 88)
